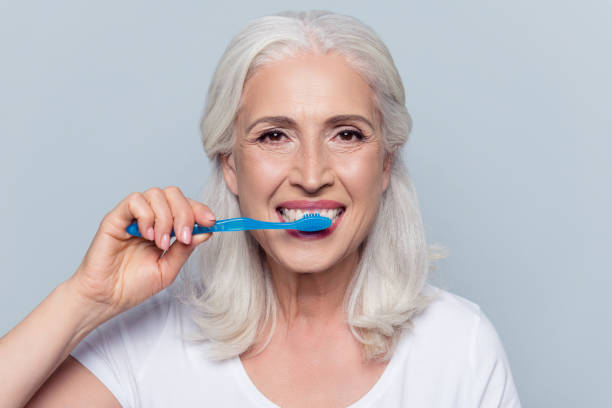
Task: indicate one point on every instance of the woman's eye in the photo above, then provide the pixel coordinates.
(272, 136)
(350, 135)
(276, 136)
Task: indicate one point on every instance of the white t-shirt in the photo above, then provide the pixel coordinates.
(453, 357)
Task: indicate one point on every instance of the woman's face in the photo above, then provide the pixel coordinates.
(308, 139)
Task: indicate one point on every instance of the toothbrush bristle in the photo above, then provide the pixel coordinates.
(314, 222)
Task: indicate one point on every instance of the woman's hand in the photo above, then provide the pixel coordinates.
(119, 270)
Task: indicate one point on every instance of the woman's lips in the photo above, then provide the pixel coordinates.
(314, 234)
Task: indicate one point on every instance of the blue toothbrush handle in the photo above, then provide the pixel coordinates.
(243, 224)
(231, 224)
(132, 229)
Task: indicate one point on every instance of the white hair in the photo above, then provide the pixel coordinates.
(226, 279)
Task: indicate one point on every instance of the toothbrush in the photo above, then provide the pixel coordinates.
(309, 222)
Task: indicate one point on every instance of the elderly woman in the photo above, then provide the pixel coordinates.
(305, 114)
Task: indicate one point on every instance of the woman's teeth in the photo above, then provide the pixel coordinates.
(292, 214)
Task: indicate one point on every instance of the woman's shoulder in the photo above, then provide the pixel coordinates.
(145, 321)
(132, 335)
(455, 343)
(450, 322)
(448, 308)
(162, 317)
(137, 349)
(453, 327)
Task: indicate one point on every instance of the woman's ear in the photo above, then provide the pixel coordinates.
(229, 172)
(387, 170)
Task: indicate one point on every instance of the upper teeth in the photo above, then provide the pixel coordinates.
(294, 214)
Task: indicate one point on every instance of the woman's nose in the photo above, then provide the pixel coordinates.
(311, 169)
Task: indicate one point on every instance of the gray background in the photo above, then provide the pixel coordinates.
(510, 104)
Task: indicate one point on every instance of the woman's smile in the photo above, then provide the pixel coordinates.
(290, 211)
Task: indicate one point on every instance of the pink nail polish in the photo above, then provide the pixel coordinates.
(186, 235)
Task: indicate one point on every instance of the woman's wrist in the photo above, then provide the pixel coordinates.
(87, 314)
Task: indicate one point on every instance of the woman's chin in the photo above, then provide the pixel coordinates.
(303, 256)
(308, 261)
(306, 266)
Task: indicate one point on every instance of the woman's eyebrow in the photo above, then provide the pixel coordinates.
(274, 120)
(288, 122)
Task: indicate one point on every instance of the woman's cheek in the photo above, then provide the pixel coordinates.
(363, 173)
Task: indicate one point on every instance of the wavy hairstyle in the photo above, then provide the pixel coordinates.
(226, 280)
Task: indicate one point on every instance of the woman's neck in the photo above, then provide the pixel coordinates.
(312, 298)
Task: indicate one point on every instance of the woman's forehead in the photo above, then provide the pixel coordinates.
(307, 87)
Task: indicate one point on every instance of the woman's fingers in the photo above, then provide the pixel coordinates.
(134, 206)
(202, 214)
(172, 210)
(163, 216)
(142, 211)
(175, 211)
(182, 214)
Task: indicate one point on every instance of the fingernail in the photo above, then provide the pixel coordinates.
(210, 216)
(165, 241)
(150, 234)
(186, 235)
